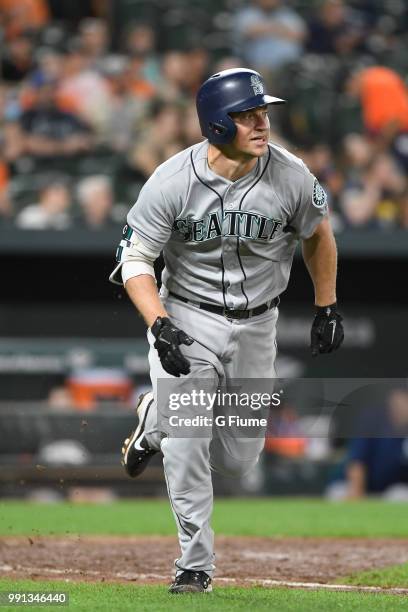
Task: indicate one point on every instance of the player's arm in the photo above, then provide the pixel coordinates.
(312, 225)
(320, 256)
(142, 290)
(149, 227)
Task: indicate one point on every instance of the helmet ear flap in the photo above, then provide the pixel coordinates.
(222, 131)
(218, 128)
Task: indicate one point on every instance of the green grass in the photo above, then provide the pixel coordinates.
(261, 517)
(393, 576)
(256, 517)
(117, 597)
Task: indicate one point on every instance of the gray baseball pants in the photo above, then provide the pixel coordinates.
(224, 349)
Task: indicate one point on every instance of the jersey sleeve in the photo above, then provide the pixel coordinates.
(312, 207)
(148, 228)
(152, 216)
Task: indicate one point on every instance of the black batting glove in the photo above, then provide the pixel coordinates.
(327, 330)
(168, 339)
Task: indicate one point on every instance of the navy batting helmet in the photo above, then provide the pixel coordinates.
(229, 91)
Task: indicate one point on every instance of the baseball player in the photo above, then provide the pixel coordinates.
(227, 213)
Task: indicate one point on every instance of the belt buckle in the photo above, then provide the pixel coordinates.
(225, 312)
(239, 314)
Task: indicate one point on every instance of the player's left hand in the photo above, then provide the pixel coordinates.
(327, 330)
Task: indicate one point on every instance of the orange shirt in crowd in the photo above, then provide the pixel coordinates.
(4, 176)
(142, 89)
(20, 15)
(64, 102)
(384, 98)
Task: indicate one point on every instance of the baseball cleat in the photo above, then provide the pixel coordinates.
(136, 452)
(191, 582)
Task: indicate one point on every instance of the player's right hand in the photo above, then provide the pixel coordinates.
(168, 339)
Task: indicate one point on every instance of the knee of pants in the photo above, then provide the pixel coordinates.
(186, 462)
(233, 457)
(231, 467)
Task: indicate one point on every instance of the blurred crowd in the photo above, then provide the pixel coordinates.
(94, 96)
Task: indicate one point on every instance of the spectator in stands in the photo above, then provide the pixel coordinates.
(52, 211)
(139, 85)
(49, 131)
(199, 61)
(127, 110)
(336, 29)
(18, 16)
(50, 66)
(358, 153)
(82, 90)
(10, 144)
(13, 142)
(4, 169)
(95, 198)
(175, 80)
(17, 60)
(227, 63)
(378, 465)
(269, 35)
(94, 40)
(6, 209)
(161, 138)
(191, 127)
(403, 210)
(140, 42)
(49, 69)
(384, 100)
(64, 103)
(371, 198)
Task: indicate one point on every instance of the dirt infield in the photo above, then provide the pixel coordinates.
(241, 560)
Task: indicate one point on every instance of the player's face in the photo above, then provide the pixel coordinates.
(252, 131)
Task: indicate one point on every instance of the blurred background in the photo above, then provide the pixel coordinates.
(93, 96)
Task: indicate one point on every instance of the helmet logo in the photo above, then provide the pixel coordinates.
(256, 84)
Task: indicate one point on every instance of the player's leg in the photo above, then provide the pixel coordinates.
(255, 342)
(144, 441)
(186, 457)
(234, 457)
(187, 471)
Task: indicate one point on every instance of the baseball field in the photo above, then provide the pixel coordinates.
(272, 554)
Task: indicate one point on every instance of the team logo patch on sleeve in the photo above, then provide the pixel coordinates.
(319, 198)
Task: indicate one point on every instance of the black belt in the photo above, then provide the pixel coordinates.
(228, 312)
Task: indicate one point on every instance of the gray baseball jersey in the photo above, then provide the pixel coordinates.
(227, 243)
